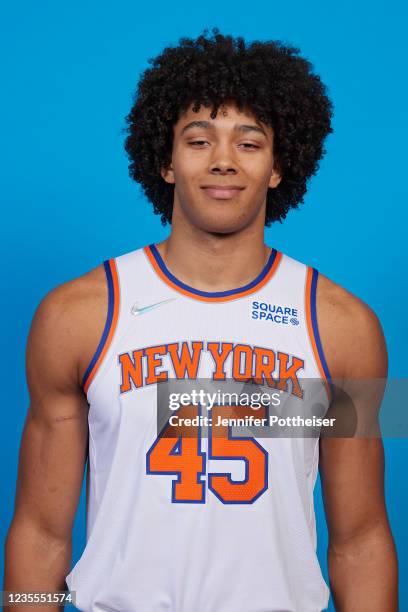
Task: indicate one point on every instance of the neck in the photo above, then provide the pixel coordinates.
(214, 262)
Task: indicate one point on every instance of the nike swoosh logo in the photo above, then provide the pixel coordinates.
(138, 310)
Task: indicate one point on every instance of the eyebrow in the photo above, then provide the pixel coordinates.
(206, 125)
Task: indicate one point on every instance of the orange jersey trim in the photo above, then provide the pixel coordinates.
(311, 320)
(230, 295)
(110, 325)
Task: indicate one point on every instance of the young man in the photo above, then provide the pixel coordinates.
(223, 137)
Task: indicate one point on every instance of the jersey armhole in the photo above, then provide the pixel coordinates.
(110, 323)
(313, 329)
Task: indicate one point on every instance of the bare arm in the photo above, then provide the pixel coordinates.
(362, 558)
(53, 449)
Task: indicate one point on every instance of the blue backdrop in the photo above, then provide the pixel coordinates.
(67, 76)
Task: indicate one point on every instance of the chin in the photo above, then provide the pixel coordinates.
(219, 217)
(221, 224)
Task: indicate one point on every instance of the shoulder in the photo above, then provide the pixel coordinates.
(68, 299)
(68, 324)
(350, 332)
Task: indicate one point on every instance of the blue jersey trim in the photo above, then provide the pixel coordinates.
(314, 323)
(108, 322)
(213, 294)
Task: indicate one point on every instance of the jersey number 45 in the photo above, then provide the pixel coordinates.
(180, 453)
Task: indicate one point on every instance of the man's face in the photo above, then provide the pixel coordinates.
(221, 169)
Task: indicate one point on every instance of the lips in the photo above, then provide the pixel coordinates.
(222, 192)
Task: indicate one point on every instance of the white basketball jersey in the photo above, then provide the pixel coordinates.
(215, 523)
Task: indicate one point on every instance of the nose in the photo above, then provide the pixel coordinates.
(222, 163)
(222, 170)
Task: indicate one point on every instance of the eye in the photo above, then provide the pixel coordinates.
(198, 143)
(249, 145)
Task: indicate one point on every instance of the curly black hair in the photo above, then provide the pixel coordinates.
(268, 78)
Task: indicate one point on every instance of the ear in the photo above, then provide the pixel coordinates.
(168, 174)
(276, 176)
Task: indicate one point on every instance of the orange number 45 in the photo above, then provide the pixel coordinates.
(177, 451)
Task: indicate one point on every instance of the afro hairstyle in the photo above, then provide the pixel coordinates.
(269, 79)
